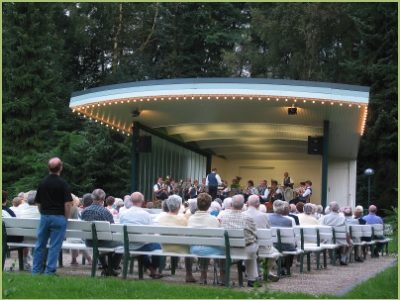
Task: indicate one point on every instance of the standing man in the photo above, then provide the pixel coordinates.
(287, 181)
(212, 181)
(54, 202)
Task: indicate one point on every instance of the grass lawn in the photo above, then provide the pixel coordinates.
(382, 286)
(22, 285)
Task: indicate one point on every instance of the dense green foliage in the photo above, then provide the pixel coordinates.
(52, 49)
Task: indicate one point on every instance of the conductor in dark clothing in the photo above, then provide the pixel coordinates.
(212, 181)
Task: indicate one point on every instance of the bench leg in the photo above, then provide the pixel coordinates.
(131, 262)
(279, 265)
(287, 260)
(174, 261)
(301, 262)
(318, 254)
(162, 264)
(308, 261)
(240, 273)
(21, 258)
(95, 259)
(60, 259)
(228, 263)
(125, 266)
(140, 266)
(83, 260)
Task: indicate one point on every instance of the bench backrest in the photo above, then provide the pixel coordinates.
(355, 230)
(339, 232)
(366, 230)
(179, 235)
(264, 237)
(285, 235)
(377, 229)
(22, 227)
(310, 235)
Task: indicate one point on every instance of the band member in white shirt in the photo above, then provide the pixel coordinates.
(203, 186)
(251, 190)
(264, 193)
(160, 191)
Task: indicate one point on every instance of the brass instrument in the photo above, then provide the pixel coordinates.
(165, 184)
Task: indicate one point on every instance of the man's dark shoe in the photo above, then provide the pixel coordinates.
(253, 283)
(359, 259)
(105, 273)
(344, 263)
(283, 273)
(376, 252)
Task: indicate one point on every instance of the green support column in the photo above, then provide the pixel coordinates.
(325, 155)
(135, 158)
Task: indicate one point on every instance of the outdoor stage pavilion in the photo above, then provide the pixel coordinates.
(241, 126)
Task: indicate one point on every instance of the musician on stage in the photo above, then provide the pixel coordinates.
(203, 186)
(194, 190)
(225, 192)
(251, 190)
(264, 193)
(171, 187)
(212, 181)
(185, 186)
(277, 193)
(302, 197)
(287, 181)
(160, 191)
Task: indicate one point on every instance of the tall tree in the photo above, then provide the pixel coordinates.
(31, 84)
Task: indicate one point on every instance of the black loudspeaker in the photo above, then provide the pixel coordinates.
(315, 145)
(142, 144)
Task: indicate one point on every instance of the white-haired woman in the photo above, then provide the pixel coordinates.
(173, 218)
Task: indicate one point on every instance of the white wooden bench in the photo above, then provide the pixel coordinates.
(310, 242)
(264, 239)
(355, 232)
(183, 236)
(76, 229)
(367, 239)
(379, 238)
(286, 235)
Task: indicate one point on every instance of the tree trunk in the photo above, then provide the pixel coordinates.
(115, 56)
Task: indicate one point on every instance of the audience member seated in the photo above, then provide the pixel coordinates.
(237, 219)
(73, 214)
(5, 207)
(17, 201)
(97, 212)
(318, 213)
(350, 220)
(202, 219)
(172, 218)
(335, 220)
(261, 220)
(32, 211)
(110, 203)
(278, 219)
(192, 208)
(372, 218)
(135, 215)
(307, 218)
(214, 209)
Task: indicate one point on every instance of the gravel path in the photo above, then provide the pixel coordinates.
(331, 281)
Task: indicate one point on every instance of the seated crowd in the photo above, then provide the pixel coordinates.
(202, 212)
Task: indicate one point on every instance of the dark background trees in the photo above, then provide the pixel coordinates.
(52, 49)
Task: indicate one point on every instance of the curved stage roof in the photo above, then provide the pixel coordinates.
(236, 117)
